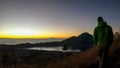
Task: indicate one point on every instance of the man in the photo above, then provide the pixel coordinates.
(103, 38)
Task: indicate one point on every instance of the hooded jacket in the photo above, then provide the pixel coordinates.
(103, 34)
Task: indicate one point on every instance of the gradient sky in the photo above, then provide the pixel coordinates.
(55, 18)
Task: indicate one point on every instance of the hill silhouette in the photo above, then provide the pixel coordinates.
(83, 42)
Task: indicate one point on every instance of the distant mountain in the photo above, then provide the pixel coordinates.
(83, 42)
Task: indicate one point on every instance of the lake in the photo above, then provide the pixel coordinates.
(58, 48)
(32, 41)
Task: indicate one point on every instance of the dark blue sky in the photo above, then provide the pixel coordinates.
(56, 18)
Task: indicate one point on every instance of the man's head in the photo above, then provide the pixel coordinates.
(101, 22)
(100, 19)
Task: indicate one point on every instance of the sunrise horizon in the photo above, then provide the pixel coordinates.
(34, 37)
(24, 35)
(15, 36)
(57, 19)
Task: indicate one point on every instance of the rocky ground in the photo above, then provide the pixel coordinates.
(113, 60)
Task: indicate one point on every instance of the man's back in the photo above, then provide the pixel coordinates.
(103, 34)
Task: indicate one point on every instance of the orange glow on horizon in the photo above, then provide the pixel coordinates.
(35, 36)
(39, 36)
(29, 33)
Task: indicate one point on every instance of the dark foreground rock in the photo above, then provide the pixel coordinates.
(113, 60)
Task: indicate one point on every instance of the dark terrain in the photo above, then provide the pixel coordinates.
(15, 56)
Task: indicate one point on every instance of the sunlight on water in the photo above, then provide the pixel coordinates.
(52, 49)
(46, 48)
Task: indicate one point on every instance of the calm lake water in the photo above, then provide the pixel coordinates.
(53, 49)
(18, 41)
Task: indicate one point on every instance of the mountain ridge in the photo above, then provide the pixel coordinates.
(83, 41)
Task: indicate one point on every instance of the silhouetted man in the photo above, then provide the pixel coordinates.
(103, 38)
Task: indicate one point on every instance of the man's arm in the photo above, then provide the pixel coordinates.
(95, 36)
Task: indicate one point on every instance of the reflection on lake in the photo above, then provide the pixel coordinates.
(52, 49)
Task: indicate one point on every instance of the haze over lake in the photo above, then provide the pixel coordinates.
(18, 41)
(32, 41)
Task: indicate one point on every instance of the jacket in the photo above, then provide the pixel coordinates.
(103, 34)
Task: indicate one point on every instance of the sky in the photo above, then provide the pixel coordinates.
(55, 18)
